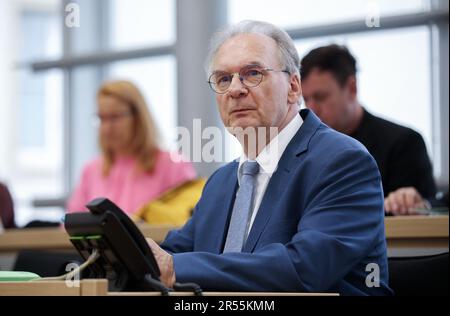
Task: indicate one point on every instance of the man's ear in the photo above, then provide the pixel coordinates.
(295, 89)
(352, 86)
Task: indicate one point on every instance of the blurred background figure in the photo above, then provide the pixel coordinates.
(330, 89)
(6, 208)
(132, 170)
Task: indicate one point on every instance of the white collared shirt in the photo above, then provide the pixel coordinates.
(268, 162)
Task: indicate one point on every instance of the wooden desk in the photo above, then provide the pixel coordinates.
(401, 232)
(100, 288)
(417, 235)
(54, 288)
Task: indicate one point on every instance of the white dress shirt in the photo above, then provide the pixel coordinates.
(268, 162)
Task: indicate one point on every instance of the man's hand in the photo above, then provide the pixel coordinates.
(403, 201)
(165, 263)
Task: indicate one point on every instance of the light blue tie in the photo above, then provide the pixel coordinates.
(242, 209)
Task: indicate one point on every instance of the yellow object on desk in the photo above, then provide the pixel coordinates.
(175, 206)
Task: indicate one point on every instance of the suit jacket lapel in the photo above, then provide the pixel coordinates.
(297, 146)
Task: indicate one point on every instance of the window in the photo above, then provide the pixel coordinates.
(141, 23)
(300, 13)
(39, 121)
(37, 157)
(40, 31)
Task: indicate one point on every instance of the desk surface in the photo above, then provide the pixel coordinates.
(100, 288)
(416, 226)
(406, 228)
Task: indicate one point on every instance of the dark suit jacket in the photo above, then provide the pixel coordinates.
(400, 153)
(320, 223)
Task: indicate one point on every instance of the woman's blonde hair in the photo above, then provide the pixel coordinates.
(144, 144)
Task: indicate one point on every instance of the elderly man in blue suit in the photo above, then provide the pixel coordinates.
(307, 216)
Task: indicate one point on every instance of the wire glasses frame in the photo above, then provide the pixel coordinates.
(249, 76)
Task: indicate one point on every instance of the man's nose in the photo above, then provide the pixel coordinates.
(237, 88)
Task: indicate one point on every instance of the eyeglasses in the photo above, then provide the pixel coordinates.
(250, 76)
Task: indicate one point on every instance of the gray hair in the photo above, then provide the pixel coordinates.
(288, 53)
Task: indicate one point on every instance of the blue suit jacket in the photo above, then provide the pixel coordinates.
(320, 223)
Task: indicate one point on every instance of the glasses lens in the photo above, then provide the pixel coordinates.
(220, 82)
(251, 77)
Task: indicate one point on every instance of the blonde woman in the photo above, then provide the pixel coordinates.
(131, 170)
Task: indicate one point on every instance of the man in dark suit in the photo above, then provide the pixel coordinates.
(300, 211)
(330, 89)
